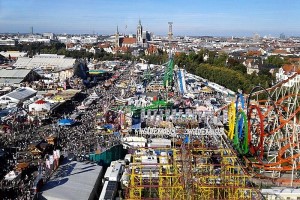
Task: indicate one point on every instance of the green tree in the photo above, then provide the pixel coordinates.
(275, 60)
(221, 59)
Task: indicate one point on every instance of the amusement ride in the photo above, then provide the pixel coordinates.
(264, 127)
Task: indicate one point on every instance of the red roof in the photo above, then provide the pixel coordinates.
(280, 51)
(103, 45)
(70, 45)
(294, 59)
(40, 101)
(254, 53)
(291, 68)
(129, 40)
(152, 49)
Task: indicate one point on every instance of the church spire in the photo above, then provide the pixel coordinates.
(139, 33)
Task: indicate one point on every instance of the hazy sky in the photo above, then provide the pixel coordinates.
(189, 17)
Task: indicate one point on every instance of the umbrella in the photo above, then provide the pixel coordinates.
(66, 122)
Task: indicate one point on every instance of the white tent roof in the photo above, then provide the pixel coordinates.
(40, 106)
(21, 94)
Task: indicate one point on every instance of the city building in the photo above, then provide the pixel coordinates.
(7, 42)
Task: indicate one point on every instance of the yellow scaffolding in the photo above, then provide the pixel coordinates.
(158, 181)
(190, 172)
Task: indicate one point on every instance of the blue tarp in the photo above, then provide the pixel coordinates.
(136, 126)
(66, 122)
(186, 139)
(108, 126)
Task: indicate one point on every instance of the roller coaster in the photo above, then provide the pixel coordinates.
(264, 127)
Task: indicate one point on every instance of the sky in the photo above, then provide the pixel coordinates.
(189, 17)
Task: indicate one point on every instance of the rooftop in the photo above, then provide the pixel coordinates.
(54, 62)
(14, 73)
(72, 180)
(22, 93)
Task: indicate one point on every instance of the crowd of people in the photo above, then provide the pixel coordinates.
(79, 140)
(74, 142)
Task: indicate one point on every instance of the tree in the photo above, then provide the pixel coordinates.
(275, 61)
(240, 67)
(221, 59)
(180, 59)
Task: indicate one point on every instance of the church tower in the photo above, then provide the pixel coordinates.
(139, 33)
(117, 40)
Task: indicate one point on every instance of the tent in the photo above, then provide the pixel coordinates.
(66, 122)
(206, 90)
(39, 105)
(94, 95)
(81, 107)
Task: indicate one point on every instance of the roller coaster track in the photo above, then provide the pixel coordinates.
(272, 128)
(256, 147)
(276, 85)
(241, 127)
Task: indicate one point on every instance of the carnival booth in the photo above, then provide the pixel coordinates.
(40, 105)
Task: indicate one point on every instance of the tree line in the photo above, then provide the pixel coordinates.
(60, 49)
(223, 70)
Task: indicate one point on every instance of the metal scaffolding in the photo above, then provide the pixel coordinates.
(209, 170)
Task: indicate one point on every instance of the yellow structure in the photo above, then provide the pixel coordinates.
(201, 172)
(231, 120)
(159, 181)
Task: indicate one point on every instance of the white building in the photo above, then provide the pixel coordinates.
(34, 38)
(58, 65)
(50, 36)
(281, 193)
(13, 54)
(63, 39)
(18, 95)
(283, 75)
(7, 42)
(89, 40)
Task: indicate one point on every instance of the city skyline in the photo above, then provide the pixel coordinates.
(191, 17)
